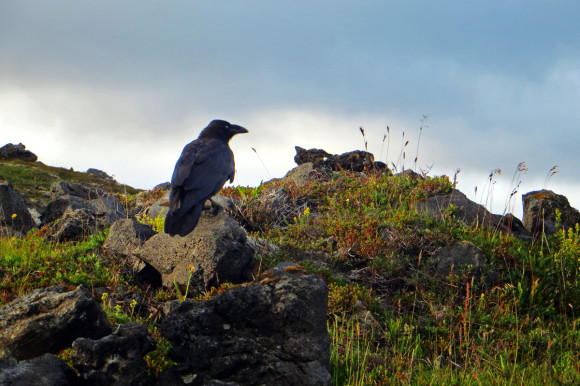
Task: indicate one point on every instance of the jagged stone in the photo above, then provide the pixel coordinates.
(107, 210)
(82, 190)
(304, 173)
(49, 320)
(115, 359)
(540, 212)
(45, 370)
(356, 161)
(11, 151)
(74, 226)
(459, 256)
(217, 251)
(99, 174)
(78, 218)
(125, 237)
(59, 206)
(470, 214)
(272, 332)
(13, 211)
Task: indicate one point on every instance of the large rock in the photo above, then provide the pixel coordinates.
(272, 332)
(470, 214)
(107, 210)
(74, 226)
(56, 208)
(81, 190)
(540, 212)
(46, 370)
(78, 216)
(125, 237)
(356, 161)
(116, 359)
(13, 211)
(49, 320)
(11, 151)
(458, 257)
(100, 174)
(217, 251)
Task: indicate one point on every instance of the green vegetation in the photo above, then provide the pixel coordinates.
(402, 324)
(397, 322)
(33, 179)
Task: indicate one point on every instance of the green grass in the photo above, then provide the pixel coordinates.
(33, 179)
(33, 262)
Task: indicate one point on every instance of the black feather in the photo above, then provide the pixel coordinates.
(201, 171)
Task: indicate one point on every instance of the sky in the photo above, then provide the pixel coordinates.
(123, 86)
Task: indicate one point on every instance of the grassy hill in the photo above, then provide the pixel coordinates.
(33, 179)
(391, 318)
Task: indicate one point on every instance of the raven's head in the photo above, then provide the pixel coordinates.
(221, 130)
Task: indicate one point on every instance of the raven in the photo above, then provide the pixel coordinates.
(201, 171)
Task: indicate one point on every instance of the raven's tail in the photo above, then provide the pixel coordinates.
(182, 224)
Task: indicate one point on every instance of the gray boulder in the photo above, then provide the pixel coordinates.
(13, 211)
(540, 212)
(71, 216)
(45, 370)
(470, 214)
(56, 208)
(304, 173)
(107, 210)
(49, 320)
(457, 257)
(356, 161)
(11, 151)
(99, 174)
(125, 237)
(217, 251)
(116, 359)
(81, 190)
(272, 332)
(73, 226)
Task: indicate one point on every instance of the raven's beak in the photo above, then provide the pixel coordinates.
(238, 129)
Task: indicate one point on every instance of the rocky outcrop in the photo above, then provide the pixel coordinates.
(99, 174)
(14, 214)
(217, 251)
(81, 190)
(45, 370)
(81, 210)
(272, 332)
(540, 212)
(11, 151)
(115, 359)
(125, 237)
(456, 204)
(49, 320)
(356, 161)
(458, 257)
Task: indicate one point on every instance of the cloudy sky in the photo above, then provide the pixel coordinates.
(122, 86)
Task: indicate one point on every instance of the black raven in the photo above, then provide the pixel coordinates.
(201, 171)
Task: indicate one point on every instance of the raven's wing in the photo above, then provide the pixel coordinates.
(202, 170)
